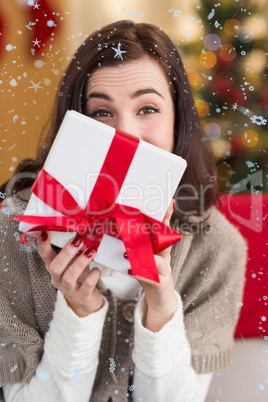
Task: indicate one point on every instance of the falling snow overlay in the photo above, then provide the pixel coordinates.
(232, 94)
(39, 63)
(50, 23)
(259, 120)
(112, 365)
(10, 47)
(35, 86)
(118, 51)
(36, 42)
(7, 211)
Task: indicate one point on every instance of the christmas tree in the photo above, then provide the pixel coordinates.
(231, 91)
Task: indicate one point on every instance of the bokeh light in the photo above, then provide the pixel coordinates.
(250, 138)
(212, 42)
(202, 107)
(227, 52)
(207, 59)
(246, 35)
(220, 147)
(256, 61)
(225, 171)
(212, 130)
(195, 79)
(232, 27)
(253, 81)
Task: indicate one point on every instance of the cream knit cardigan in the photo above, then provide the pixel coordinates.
(208, 273)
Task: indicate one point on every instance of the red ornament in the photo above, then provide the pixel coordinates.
(43, 24)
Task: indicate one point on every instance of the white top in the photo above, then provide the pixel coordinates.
(67, 370)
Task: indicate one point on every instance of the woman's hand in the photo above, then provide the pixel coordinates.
(71, 274)
(161, 298)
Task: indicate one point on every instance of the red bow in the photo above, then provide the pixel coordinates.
(142, 235)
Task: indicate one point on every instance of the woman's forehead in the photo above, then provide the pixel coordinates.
(144, 71)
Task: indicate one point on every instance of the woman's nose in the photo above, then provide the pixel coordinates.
(128, 125)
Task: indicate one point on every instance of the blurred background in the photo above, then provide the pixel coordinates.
(224, 48)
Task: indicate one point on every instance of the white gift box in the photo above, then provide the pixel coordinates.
(76, 159)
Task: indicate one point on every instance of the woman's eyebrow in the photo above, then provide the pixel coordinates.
(145, 91)
(100, 95)
(136, 94)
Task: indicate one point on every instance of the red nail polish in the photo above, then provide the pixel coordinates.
(174, 204)
(44, 236)
(90, 252)
(77, 241)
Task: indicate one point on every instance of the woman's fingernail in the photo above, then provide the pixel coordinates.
(173, 203)
(77, 241)
(90, 252)
(44, 236)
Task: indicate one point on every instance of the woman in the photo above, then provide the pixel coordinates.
(129, 76)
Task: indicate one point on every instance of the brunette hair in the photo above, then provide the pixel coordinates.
(197, 190)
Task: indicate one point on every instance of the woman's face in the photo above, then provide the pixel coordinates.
(135, 98)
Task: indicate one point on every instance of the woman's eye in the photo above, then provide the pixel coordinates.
(149, 110)
(100, 113)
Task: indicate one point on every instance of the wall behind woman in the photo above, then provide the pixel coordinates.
(30, 72)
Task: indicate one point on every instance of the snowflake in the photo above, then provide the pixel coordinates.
(10, 47)
(51, 23)
(235, 106)
(8, 211)
(32, 51)
(13, 83)
(2, 195)
(17, 236)
(39, 63)
(36, 5)
(259, 120)
(251, 88)
(47, 81)
(118, 51)
(36, 42)
(212, 179)
(217, 24)
(112, 365)
(177, 13)
(196, 352)
(14, 368)
(35, 86)
(133, 14)
(263, 318)
(29, 248)
(250, 164)
(131, 387)
(211, 14)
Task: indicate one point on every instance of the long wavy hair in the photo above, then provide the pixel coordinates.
(197, 191)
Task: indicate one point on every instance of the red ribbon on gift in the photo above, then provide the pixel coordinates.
(142, 235)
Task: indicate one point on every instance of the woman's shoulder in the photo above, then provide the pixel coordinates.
(210, 231)
(212, 243)
(13, 253)
(222, 232)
